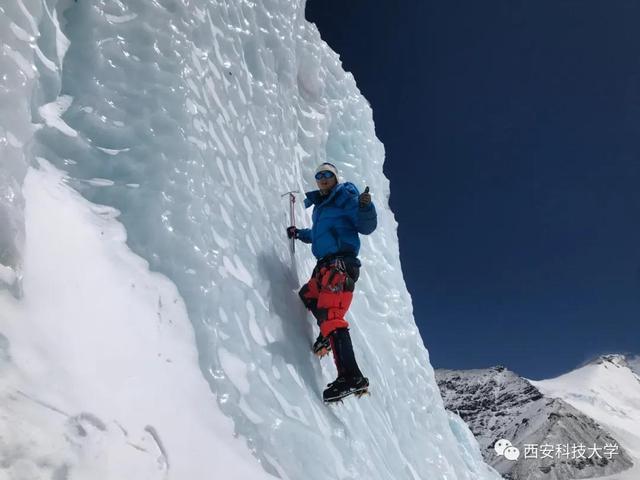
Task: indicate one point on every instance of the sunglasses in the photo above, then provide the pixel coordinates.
(324, 174)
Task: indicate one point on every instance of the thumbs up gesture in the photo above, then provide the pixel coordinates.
(365, 198)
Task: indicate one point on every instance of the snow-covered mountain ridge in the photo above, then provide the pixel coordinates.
(498, 404)
(608, 390)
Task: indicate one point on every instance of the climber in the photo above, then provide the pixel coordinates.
(340, 213)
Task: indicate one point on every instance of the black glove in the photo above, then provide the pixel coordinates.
(292, 232)
(365, 198)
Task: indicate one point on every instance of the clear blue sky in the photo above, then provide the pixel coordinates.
(512, 132)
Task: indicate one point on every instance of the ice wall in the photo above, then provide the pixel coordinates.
(191, 118)
(19, 78)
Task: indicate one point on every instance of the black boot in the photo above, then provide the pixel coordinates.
(345, 386)
(350, 379)
(322, 346)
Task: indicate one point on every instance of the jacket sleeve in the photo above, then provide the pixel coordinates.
(367, 219)
(304, 235)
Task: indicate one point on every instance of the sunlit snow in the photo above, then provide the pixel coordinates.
(608, 390)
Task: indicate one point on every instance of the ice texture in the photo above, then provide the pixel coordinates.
(99, 376)
(176, 126)
(18, 79)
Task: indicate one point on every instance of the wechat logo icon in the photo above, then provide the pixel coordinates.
(504, 448)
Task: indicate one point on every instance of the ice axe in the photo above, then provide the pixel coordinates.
(292, 215)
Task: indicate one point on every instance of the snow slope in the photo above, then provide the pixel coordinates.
(99, 374)
(150, 312)
(608, 390)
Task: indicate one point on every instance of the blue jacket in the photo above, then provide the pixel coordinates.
(337, 221)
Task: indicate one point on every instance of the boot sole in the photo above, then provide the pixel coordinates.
(358, 393)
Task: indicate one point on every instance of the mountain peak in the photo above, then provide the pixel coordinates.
(617, 359)
(496, 403)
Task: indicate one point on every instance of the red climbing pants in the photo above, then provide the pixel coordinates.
(329, 292)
